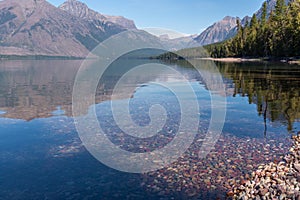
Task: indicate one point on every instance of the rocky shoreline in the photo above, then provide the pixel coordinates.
(226, 166)
(274, 180)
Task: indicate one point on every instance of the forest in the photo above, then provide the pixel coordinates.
(274, 35)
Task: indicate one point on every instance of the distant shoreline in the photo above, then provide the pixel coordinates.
(38, 57)
(226, 60)
(232, 59)
(240, 60)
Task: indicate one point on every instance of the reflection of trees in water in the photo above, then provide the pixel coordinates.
(273, 88)
(33, 89)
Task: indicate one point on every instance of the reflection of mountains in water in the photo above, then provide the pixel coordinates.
(35, 89)
(273, 88)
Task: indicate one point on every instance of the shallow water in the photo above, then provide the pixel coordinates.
(42, 156)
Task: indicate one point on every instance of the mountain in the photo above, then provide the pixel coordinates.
(218, 32)
(270, 6)
(179, 43)
(126, 23)
(165, 33)
(35, 27)
(275, 39)
(81, 10)
(173, 40)
(226, 28)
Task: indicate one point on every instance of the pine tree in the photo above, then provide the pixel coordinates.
(278, 23)
(262, 37)
(263, 19)
(276, 36)
(294, 27)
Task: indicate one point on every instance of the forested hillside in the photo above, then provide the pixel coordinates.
(275, 36)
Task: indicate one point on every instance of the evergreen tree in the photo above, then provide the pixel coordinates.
(276, 36)
(294, 27)
(262, 34)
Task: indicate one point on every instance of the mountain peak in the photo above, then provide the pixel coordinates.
(73, 1)
(218, 32)
(78, 9)
(81, 10)
(36, 27)
(76, 2)
(228, 18)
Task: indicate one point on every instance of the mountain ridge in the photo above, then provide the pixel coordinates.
(38, 28)
(25, 29)
(82, 11)
(217, 32)
(227, 28)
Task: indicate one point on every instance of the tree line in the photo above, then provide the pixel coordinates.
(272, 35)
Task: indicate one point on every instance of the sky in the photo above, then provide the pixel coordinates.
(190, 16)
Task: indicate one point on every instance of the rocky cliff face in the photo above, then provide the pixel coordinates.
(28, 26)
(35, 27)
(81, 10)
(218, 32)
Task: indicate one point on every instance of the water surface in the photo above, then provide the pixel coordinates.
(42, 156)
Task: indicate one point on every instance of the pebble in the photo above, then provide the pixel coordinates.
(229, 164)
(273, 181)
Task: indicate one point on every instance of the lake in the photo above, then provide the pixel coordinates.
(42, 156)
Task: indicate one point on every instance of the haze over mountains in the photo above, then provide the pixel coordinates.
(35, 27)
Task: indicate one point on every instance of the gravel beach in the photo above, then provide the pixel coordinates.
(274, 180)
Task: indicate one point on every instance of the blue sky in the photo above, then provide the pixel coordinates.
(190, 16)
